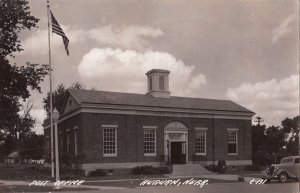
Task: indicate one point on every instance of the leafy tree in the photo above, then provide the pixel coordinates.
(258, 144)
(14, 17)
(273, 143)
(291, 128)
(58, 97)
(32, 146)
(15, 81)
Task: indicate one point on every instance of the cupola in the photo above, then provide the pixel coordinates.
(158, 83)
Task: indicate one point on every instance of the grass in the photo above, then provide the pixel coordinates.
(24, 172)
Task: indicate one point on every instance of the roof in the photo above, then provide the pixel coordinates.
(117, 98)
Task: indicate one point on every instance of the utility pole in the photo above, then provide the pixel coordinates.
(259, 120)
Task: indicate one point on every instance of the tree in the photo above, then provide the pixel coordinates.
(258, 144)
(15, 81)
(14, 17)
(272, 143)
(291, 128)
(58, 97)
(32, 146)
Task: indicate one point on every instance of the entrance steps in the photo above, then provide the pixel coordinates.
(189, 170)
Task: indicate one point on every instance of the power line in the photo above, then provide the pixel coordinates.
(259, 120)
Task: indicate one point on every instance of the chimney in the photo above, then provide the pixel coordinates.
(158, 83)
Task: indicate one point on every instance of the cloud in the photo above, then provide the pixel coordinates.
(283, 28)
(127, 37)
(37, 44)
(39, 114)
(124, 71)
(273, 100)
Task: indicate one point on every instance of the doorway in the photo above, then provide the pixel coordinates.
(178, 152)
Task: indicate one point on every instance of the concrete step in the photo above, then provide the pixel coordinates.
(189, 169)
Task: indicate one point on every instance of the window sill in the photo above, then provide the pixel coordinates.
(232, 154)
(203, 154)
(149, 155)
(110, 155)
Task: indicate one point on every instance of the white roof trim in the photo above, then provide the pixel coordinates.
(113, 126)
(149, 127)
(232, 129)
(201, 128)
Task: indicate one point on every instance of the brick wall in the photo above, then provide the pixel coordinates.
(130, 137)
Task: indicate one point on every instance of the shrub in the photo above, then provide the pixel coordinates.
(221, 168)
(211, 168)
(150, 170)
(97, 172)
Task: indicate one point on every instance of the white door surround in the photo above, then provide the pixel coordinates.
(175, 132)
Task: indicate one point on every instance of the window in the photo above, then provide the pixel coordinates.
(109, 142)
(161, 83)
(68, 142)
(149, 142)
(48, 145)
(201, 141)
(76, 142)
(150, 83)
(60, 143)
(232, 141)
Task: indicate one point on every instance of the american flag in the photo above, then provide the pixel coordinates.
(57, 29)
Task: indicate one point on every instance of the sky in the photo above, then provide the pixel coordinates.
(240, 50)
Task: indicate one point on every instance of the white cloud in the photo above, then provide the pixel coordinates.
(39, 114)
(283, 28)
(124, 71)
(128, 37)
(273, 100)
(37, 44)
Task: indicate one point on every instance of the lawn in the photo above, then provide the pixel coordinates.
(24, 172)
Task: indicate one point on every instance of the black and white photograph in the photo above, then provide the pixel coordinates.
(151, 96)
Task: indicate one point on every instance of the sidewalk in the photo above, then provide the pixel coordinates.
(123, 184)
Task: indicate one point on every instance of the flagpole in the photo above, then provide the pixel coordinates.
(50, 79)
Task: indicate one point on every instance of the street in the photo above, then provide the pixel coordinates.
(243, 187)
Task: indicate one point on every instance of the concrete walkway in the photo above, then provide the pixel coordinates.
(230, 177)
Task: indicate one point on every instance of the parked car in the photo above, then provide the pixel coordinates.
(287, 169)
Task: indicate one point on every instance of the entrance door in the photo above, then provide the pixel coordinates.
(178, 152)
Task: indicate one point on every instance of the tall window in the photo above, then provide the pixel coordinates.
(232, 141)
(150, 83)
(109, 142)
(48, 144)
(76, 142)
(149, 142)
(61, 143)
(68, 142)
(161, 83)
(201, 141)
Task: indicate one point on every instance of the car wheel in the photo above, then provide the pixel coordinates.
(282, 177)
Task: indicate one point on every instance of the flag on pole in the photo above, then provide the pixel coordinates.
(57, 29)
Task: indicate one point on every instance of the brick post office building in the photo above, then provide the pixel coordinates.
(123, 130)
